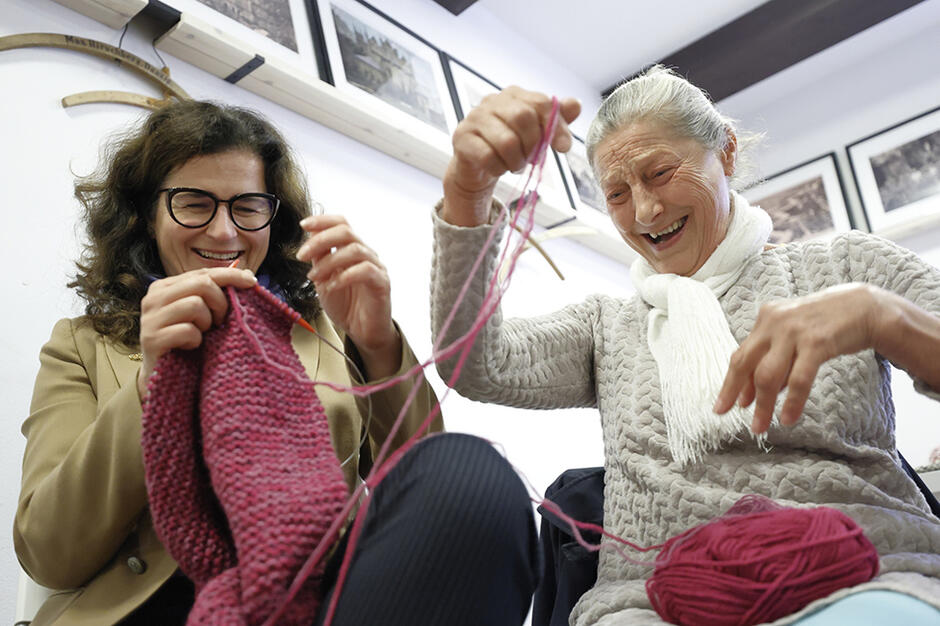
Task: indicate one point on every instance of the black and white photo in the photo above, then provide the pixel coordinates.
(270, 18)
(897, 172)
(909, 172)
(804, 202)
(271, 29)
(587, 192)
(376, 57)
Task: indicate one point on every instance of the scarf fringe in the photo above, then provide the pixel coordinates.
(689, 337)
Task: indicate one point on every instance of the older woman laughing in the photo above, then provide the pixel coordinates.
(726, 335)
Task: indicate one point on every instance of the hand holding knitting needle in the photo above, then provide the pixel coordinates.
(178, 309)
(791, 339)
(354, 290)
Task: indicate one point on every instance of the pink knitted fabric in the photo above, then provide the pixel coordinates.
(241, 474)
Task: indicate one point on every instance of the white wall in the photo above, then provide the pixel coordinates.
(387, 201)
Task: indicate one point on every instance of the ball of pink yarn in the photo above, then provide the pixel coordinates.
(757, 563)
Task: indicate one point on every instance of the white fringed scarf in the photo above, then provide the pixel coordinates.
(690, 339)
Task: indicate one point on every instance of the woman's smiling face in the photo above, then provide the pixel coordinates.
(667, 195)
(219, 242)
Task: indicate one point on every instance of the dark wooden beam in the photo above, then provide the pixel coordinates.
(772, 37)
(455, 6)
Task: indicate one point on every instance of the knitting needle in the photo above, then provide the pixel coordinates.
(301, 321)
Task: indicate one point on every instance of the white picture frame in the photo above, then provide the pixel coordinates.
(805, 202)
(405, 75)
(897, 174)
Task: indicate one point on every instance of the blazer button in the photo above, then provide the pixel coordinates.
(136, 565)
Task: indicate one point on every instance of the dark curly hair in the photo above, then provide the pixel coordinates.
(120, 200)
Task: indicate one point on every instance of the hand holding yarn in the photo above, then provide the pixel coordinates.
(789, 342)
(354, 290)
(177, 310)
(500, 135)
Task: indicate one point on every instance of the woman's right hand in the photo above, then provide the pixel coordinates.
(177, 310)
(500, 135)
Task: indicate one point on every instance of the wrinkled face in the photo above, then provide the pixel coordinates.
(667, 195)
(219, 242)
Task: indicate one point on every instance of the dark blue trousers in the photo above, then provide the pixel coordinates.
(449, 539)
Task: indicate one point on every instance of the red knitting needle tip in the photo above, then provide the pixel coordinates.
(303, 324)
(301, 321)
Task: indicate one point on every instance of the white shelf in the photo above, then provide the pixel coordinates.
(355, 115)
(401, 137)
(114, 13)
(203, 45)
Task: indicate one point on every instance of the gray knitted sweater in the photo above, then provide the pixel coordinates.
(841, 453)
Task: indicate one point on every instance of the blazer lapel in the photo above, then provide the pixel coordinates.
(124, 361)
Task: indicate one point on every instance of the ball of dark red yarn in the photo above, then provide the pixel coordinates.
(757, 563)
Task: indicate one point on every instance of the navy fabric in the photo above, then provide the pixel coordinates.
(568, 569)
(449, 538)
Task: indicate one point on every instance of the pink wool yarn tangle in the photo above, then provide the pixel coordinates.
(386, 459)
(757, 563)
(241, 474)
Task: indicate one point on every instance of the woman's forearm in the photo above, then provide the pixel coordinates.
(909, 337)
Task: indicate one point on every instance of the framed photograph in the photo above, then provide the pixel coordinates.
(269, 28)
(897, 171)
(376, 57)
(805, 202)
(468, 88)
(586, 194)
(585, 190)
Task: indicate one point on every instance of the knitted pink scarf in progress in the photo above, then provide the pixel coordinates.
(241, 474)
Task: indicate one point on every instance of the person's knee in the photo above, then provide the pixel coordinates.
(468, 486)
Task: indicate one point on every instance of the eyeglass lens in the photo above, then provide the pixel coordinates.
(193, 208)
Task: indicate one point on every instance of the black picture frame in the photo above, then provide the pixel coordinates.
(467, 88)
(897, 175)
(371, 55)
(805, 201)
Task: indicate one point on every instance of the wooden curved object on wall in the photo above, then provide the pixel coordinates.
(119, 97)
(105, 51)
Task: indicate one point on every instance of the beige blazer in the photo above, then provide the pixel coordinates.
(82, 525)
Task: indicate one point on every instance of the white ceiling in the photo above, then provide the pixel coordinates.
(603, 41)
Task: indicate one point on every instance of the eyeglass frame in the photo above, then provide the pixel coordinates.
(172, 191)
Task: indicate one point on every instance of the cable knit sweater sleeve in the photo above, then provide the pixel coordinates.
(543, 363)
(876, 261)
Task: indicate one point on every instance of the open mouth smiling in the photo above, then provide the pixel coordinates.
(218, 256)
(667, 233)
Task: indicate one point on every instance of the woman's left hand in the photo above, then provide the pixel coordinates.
(354, 290)
(789, 342)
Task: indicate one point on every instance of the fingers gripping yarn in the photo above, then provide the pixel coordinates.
(241, 474)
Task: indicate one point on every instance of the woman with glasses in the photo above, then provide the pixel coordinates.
(197, 187)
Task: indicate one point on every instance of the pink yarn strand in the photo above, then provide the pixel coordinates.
(462, 344)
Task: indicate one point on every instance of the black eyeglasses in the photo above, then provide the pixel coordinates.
(194, 208)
